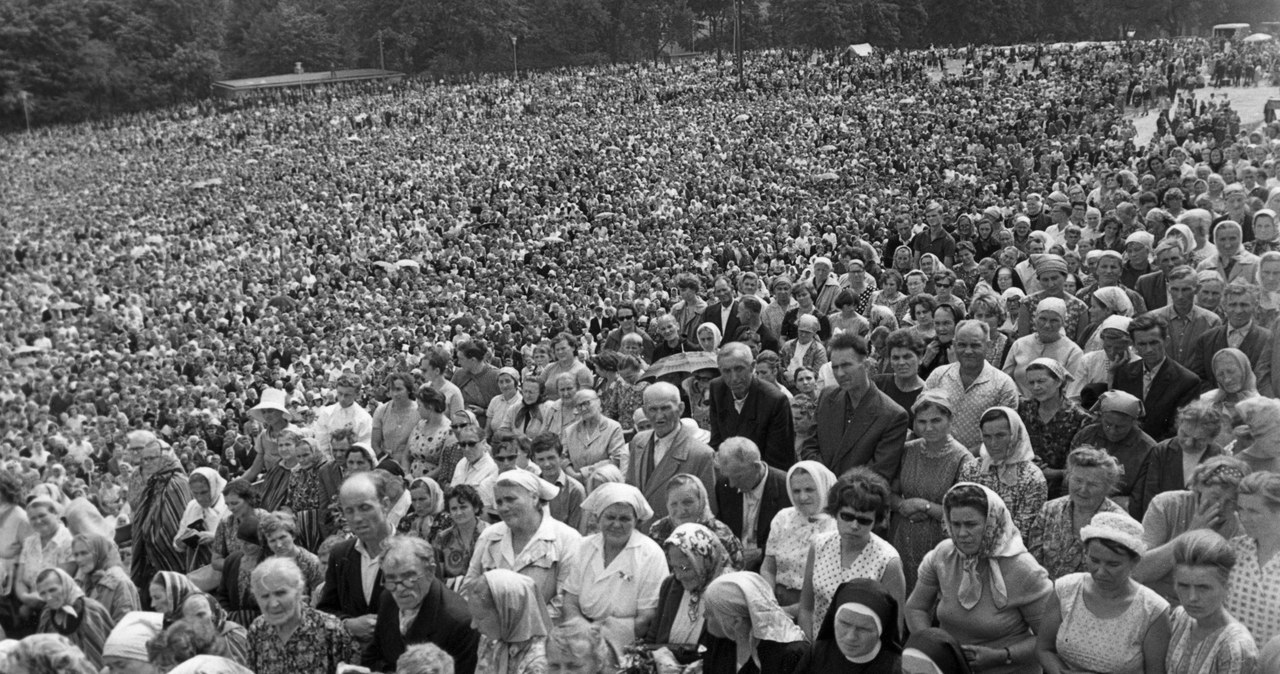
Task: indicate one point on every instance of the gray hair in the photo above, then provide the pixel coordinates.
(739, 449)
(408, 550)
(426, 658)
(736, 350)
(283, 567)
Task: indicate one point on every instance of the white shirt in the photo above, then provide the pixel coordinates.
(661, 446)
(751, 511)
(334, 417)
(369, 568)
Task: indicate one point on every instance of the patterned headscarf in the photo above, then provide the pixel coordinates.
(177, 588)
(706, 554)
(1019, 453)
(1000, 538)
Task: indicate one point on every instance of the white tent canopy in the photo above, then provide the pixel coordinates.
(863, 49)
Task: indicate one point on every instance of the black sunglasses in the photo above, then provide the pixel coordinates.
(860, 519)
(468, 443)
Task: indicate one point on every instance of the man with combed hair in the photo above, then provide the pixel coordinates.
(858, 425)
(344, 414)
(666, 450)
(742, 405)
(290, 636)
(973, 384)
(1186, 320)
(749, 493)
(353, 583)
(417, 608)
(1241, 331)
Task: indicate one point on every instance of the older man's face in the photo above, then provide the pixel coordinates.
(408, 583)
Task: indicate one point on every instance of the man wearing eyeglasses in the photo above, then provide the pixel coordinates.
(164, 498)
(417, 608)
(627, 325)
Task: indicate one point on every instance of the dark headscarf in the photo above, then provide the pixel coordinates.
(941, 649)
(826, 656)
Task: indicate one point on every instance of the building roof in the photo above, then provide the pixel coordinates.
(305, 79)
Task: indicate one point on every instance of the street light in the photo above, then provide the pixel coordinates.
(25, 112)
(515, 69)
(737, 41)
(382, 61)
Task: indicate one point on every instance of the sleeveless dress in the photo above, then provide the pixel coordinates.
(926, 474)
(1229, 650)
(828, 575)
(1089, 643)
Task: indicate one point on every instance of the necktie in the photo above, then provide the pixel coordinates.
(648, 459)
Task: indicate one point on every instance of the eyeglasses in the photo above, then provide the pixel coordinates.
(942, 285)
(853, 517)
(392, 583)
(626, 318)
(469, 443)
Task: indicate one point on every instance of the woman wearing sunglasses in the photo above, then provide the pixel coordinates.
(859, 502)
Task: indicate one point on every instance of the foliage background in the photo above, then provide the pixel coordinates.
(84, 59)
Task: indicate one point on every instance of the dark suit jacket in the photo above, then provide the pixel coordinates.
(670, 594)
(1153, 290)
(774, 498)
(685, 455)
(343, 594)
(872, 434)
(1173, 387)
(443, 619)
(1164, 468)
(1256, 345)
(765, 419)
(713, 316)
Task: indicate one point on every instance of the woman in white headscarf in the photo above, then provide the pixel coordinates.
(749, 633)
(793, 530)
(619, 571)
(981, 585)
(67, 611)
(1105, 302)
(1047, 340)
(512, 621)
(1005, 465)
(200, 519)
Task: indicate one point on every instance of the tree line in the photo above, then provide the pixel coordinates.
(82, 59)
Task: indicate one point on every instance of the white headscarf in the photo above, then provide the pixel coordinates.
(1019, 453)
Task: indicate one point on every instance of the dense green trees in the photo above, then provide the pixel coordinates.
(79, 59)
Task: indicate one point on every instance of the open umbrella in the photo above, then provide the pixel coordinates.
(65, 306)
(409, 263)
(26, 349)
(682, 364)
(1258, 37)
(826, 177)
(389, 266)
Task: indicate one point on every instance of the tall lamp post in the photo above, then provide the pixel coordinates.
(26, 114)
(737, 41)
(515, 66)
(382, 60)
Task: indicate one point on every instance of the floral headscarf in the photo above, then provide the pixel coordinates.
(1019, 453)
(706, 554)
(1000, 538)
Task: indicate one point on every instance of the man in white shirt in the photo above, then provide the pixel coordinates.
(353, 582)
(475, 466)
(344, 414)
(434, 366)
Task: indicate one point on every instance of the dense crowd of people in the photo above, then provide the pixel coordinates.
(870, 366)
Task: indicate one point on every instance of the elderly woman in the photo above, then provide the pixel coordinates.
(696, 557)
(1209, 502)
(432, 449)
(1103, 620)
(805, 350)
(859, 502)
(529, 415)
(279, 531)
(617, 571)
(793, 530)
(579, 647)
(1236, 382)
(932, 463)
(45, 653)
(67, 611)
(312, 486)
(1171, 462)
(201, 606)
(167, 592)
(1049, 340)
(1005, 465)
(48, 547)
(200, 519)
(1050, 274)
(1232, 261)
(709, 337)
(688, 503)
(290, 636)
(428, 516)
(982, 585)
(748, 633)
(1258, 443)
(1103, 304)
(100, 573)
(1206, 639)
(1255, 582)
(1054, 538)
(1052, 419)
(512, 621)
(527, 539)
(359, 458)
(859, 635)
(396, 419)
(594, 439)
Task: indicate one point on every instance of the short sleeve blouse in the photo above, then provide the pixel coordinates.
(828, 574)
(790, 536)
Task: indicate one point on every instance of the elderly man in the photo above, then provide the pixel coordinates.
(353, 580)
(476, 378)
(742, 405)
(344, 414)
(973, 384)
(1117, 431)
(750, 324)
(666, 450)
(290, 636)
(1161, 384)
(417, 608)
(155, 521)
(825, 285)
(1240, 332)
(1153, 287)
(1232, 262)
(594, 440)
(749, 493)
(858, 425)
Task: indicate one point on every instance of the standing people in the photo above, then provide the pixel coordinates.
(155, 523)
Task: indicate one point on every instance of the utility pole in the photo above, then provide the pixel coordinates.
(515, 66)
(737, 41)
(382, 60)
(26, 114)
